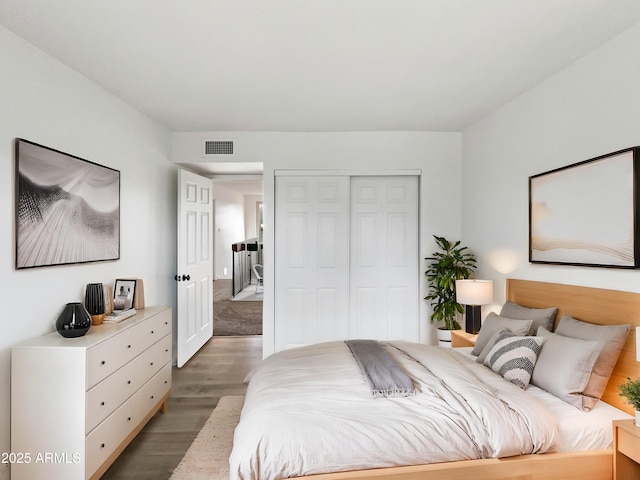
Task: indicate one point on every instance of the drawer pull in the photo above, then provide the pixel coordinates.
(102, 445)
(128, 419)
(151, 397)
(128, 382)
(152, 364)
(103, 362)
(102, 403)
(128, 346)
(152, 332)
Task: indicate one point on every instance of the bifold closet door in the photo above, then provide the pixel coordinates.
(346, 259)
(311, 260)
(384, 258)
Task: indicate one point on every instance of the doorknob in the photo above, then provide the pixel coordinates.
(186, 277)
(177, 278)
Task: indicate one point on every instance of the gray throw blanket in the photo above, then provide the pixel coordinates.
(386, 377)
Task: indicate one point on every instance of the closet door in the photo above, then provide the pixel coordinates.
(384, 258)
(311, 260)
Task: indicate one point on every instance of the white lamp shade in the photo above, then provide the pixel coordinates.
(638, 344)
(474, 292)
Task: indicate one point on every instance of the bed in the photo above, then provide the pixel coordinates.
(494, 458)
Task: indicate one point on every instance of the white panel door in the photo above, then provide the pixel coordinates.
(384, 258)
(311, 259)
(195, 264)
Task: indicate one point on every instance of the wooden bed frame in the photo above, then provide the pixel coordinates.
(594, 305)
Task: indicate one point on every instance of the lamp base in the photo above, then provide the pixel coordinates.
(472, 318)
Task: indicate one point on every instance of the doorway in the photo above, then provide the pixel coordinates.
(237, 307)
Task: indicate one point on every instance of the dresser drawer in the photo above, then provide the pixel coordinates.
(153, 329)
(153, 359)
(153, 391)
(110, 393)
(108, 356)
(106, 437)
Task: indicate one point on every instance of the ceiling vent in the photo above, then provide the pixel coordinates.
(218, 147)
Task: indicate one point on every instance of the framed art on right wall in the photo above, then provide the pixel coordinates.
(585, 213)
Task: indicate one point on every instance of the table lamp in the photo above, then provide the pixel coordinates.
(474, 293)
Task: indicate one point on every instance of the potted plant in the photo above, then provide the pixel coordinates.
(450, 263)
(631, 392)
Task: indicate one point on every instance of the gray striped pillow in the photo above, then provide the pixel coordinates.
(514, 357)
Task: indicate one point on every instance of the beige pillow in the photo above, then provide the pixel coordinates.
(564, 365)
(542, 317)
(613, 338)
(493, 324)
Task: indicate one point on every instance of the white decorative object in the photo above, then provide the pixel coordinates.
(85, 399)
(637, 418)
(444, 338)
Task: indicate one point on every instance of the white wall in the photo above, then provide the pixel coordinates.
(589, 109)
(228, 228)
(438, 155)
(48, 103)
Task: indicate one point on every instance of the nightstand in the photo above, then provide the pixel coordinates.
(626, 450)
(460, 338)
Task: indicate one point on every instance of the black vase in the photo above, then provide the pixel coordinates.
(94, 302)
(74, 321)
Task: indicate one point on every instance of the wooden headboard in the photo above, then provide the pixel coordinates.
(593, 305)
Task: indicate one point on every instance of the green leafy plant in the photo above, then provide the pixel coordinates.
(450, 263)
(631, 392)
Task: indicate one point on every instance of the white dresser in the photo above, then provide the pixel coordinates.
(76, 403)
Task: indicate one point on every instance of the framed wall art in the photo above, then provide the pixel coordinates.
(586, 213)
(67, 209)
(124, 291)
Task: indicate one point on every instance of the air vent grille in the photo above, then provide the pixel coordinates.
(218, 147)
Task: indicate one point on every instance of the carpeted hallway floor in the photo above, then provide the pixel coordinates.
(234, 317)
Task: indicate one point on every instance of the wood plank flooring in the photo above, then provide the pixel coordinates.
(218, 369)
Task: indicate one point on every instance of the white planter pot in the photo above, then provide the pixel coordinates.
(637, 418)
(444, 338)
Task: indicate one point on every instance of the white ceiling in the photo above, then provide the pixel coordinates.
(317, 65)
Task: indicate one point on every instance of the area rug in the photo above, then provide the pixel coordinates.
(208, 456)
(234, 318)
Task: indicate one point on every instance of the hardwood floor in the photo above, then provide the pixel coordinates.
(218, 369)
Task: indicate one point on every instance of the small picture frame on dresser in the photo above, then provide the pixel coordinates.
(124, 293)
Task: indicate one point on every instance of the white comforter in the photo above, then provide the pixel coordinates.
(310, 410)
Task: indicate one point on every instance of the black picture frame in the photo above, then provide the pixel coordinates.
(586, 214)
(67, 209)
